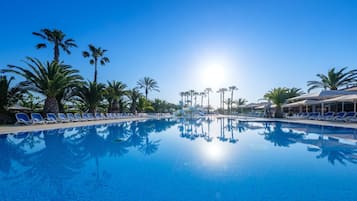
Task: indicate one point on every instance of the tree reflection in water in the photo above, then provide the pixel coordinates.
(54, 157)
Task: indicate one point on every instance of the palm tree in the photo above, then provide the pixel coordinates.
(221, 92)
(114, 92)
(333, 80)
(148, 84)
(195, 94)
(96, 54)
(191, 92)
(278, 96)
(134, 96)
(58, 39)
(231, 89)
(293, 92)
(202, 94)
(48, 79)
(240, 101)
(90, 95)
(208, 90)
(187, 95)
(8, 95)
(182, 94)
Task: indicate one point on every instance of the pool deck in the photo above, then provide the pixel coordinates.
(12, 129)
(6, 129)
(302, 121)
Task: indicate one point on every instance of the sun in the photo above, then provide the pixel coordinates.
(212, 73)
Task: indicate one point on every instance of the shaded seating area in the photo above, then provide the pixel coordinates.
(332, 105)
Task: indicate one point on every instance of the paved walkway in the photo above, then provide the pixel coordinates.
(5, 129)
(302, 121)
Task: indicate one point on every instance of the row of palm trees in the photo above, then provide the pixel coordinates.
(189, 98)
(333, 80)
(60, 83)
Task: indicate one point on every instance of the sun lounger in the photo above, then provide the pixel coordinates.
(38, 119)
(340, 116)
(327, 116)
(22, 118)
(62, 118)
(85, 117)
(349, 116)
(313, 115)
(72, 118)
(51, 117)
(78, 117)
(90, 116)
(103, 116)
(97, 116)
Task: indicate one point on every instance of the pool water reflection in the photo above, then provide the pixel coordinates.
(178, 159)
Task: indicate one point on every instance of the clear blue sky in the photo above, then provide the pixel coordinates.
(258, 45)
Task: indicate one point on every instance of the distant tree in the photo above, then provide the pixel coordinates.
(231, 89)
(208, 90)
(134, 96)
(8, 95)
(148, 84)
(91, 94)
(48, 79)
(239, 102)
(58, 39)
(334, 80)
(145, 105)
(278, 96)
(202, 94)
(96, 54)
(221, 92)
(113, 93)
(293, 92)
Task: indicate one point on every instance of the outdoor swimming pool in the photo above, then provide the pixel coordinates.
(174, 159)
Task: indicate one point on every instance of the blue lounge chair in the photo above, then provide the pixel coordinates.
(340, 116)
(103, 116)
(314, 115)
(327, 116)
(62, 118)
(348, 116)
(109, 116)
(38, 119)
(85, 117)
(71, 117)
(97, 116)
(90, 116)
(78, 117)
(51, 117)
(22, 118)
(353, 119)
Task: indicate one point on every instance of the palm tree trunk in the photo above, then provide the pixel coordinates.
(51, 105)
(278, 113)
(146, 93)
(201, 101)
(223, 102)
(207, 102)
(95, 70)
(56, 52)
(230, 110)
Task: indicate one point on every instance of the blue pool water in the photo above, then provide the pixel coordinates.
(201, 159)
